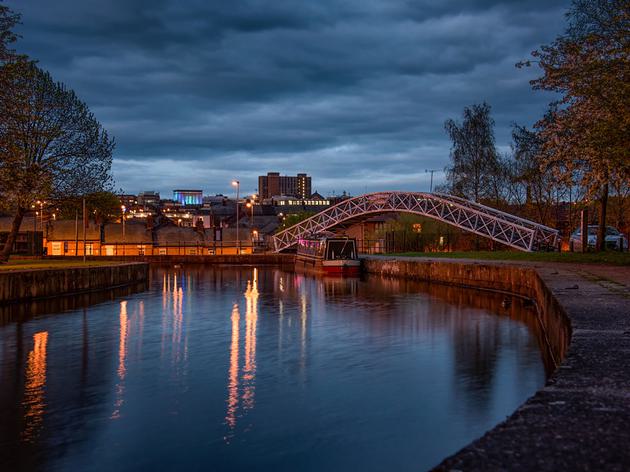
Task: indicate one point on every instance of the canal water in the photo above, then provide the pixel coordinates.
(260, 369)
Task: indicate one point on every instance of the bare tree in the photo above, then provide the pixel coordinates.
(51, 146)
(474, 159)
(539, 184)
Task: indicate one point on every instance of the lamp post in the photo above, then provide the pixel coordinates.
(431, 171)
(34, 230)
(253, 202)
(250, 205)
(254, 239)
(123, 208)
(41, 214)
(38, 214)
(85, 220)
(237, 184)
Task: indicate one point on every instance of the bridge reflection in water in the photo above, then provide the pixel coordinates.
(237, 367)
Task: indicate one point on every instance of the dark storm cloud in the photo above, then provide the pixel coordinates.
(354, 92)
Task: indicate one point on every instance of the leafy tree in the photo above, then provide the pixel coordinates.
(587, 131)
(474, 160)
(500, 188)
(409, 232)
(620, 204)
(293, 219)
(102, 207)
(540, 188)
(51, 146)
(8, 20)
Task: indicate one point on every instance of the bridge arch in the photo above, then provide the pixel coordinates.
(485, 221)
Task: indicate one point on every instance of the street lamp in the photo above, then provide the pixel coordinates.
(250, 205)
(426, 171)
(41, 213)
(254, 238)
(237, 184)
(123, 208)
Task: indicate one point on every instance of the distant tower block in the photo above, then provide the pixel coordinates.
(273, 184)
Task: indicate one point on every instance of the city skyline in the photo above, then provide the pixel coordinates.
(354, 94)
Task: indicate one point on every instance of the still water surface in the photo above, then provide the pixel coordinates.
(261, 369)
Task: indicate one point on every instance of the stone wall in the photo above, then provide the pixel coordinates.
(44, 283)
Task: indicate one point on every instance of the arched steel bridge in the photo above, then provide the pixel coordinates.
(499, 226)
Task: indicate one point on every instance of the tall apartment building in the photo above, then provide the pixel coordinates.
(273, 184)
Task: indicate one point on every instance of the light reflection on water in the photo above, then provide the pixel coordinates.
(234, 369)
(34, 403)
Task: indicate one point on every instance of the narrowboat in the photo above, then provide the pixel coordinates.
(330, 255)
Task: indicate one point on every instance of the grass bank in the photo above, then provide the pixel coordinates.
(607, 257)
(35, 264)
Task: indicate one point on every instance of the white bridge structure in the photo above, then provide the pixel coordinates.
(499, 226)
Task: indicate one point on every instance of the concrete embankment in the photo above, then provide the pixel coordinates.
(579, 419)
(21, 285)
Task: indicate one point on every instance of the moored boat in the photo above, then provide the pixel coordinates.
(330, 255)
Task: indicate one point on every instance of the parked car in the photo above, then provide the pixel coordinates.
(614, 239)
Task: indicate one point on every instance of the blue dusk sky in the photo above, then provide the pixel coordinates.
(353, 92)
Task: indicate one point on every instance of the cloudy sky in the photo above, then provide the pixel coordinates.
(353, 92)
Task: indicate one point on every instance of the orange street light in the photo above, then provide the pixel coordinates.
(123, 208)
(237, 184)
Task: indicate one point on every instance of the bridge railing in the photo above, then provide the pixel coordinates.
(485, 221)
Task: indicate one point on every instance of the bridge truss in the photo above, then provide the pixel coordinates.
(499, 226)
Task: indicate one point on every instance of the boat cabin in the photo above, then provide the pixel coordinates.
(332, 255)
